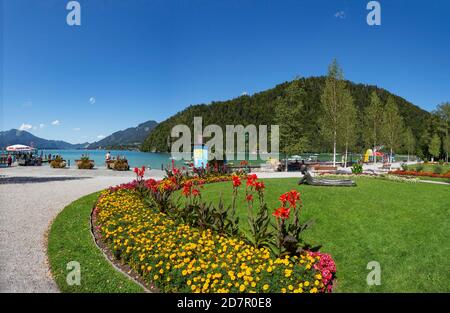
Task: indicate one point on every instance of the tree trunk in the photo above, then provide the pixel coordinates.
(346, 153)
(334, 149)
(286, 163)
(374, 155)
(390, 157)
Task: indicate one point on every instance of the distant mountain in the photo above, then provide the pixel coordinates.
(15, 136)
(131, 137)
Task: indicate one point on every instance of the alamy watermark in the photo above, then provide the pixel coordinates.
(74, 16)
(240, 141)
(374, 16)
(73, 278)
(374, 276)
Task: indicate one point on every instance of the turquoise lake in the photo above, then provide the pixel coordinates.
(135, 158)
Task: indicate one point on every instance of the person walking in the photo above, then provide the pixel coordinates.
(9, 160)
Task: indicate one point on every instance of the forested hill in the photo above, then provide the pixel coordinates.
(259, 108)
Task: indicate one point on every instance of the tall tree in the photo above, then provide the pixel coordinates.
(333, 101)
(288, 115)
(392, 126)
(435, 147)
(443, 110)
(373, 115)
(409, 141)
(446, 146)
(349, 122)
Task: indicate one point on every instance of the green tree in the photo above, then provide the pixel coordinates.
(409, 141)
(392, 126)
(443, 111)
(434, 147)
(349, 122)
(288, 115)
(373, 115)
(333, 99)
(446, 146)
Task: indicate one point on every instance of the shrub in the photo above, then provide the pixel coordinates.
(438, 169)
(419, 167)
(58, 162)
(404, 166)
(357, 168)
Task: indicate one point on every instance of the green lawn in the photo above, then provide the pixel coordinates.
(403, 226)
(439, 179)
(430, 167)
(70, 240)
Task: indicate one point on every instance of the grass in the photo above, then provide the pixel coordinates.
(70, 240)
(430, 167)
(403, 226)
(438, 179)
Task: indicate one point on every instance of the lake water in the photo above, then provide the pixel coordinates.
(156, 160)
(135, 158)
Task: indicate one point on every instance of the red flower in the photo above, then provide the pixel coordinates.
(259, 186)
(291, 196)
(195, 192)
(249, 197)
(282, 213)
(236, 181)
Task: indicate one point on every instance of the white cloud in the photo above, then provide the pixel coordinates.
(77, 129)
(91, 100)
(56, 123)
(340, 14)
(100, 136)
(41, 125)
(25, 126)
(245, 93)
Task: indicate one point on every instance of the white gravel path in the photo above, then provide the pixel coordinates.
(27, 210)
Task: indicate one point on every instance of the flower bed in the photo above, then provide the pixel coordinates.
(374, 176)
(423, 174)
(179, 256)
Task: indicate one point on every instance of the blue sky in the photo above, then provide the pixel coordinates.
(135, 60)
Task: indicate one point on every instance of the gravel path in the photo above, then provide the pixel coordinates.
(29, 201)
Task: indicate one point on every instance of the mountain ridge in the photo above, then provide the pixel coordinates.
(16, 136)
(131, 137)
(259, 108)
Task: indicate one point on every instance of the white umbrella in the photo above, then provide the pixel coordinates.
(19, 148)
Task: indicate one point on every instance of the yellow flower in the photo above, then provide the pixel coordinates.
(242, 288)
(265, 287)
